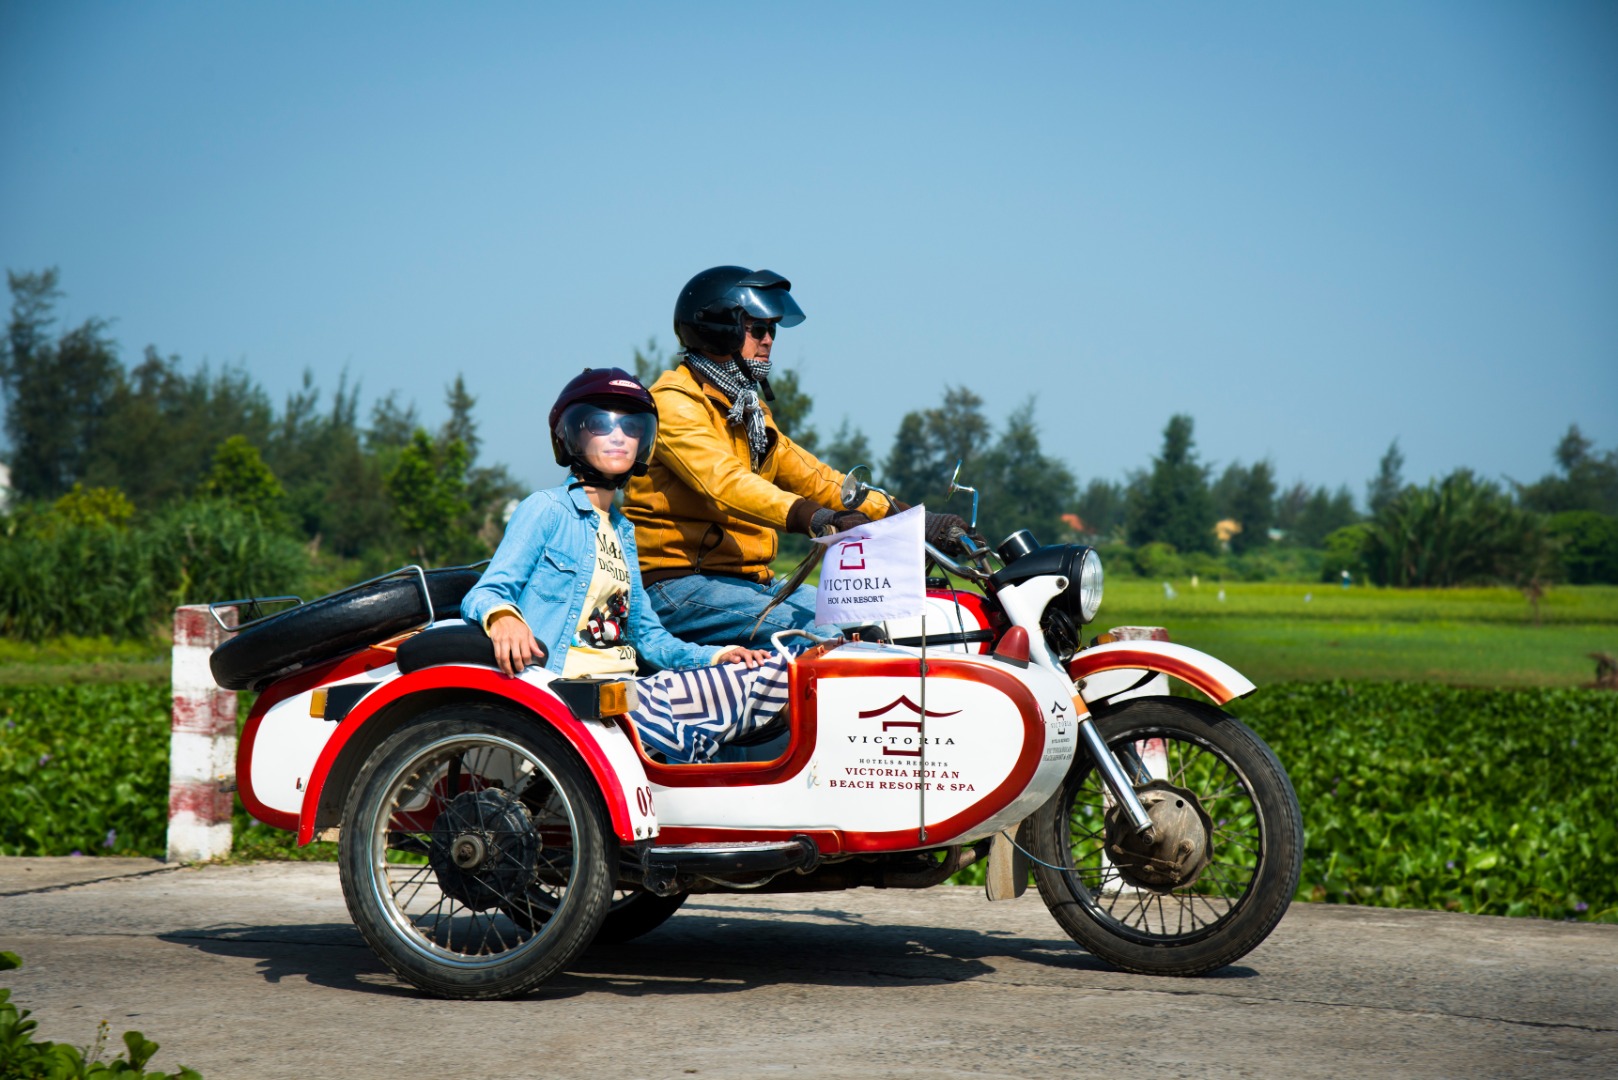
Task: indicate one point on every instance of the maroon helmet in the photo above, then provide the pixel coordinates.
(597, 402)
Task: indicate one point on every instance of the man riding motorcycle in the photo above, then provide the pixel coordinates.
(723, 477)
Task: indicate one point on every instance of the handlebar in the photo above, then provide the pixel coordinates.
(958, 569)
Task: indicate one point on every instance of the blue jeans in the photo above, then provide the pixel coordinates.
(711, 610)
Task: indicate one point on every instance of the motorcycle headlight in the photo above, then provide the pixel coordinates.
(1089, 585)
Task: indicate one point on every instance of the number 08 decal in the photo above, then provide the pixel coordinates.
(643, 799)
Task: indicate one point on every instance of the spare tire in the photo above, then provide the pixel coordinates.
(335, 626)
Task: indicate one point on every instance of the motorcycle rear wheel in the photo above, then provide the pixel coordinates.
(636, 912)
(469, 814)
(1256, 844)
(632, 913)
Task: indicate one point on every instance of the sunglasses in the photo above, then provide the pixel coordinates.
(633, 425)
(761, 330)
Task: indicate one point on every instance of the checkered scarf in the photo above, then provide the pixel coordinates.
(739, 380)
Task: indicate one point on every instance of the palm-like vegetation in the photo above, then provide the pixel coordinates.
(1455, 531)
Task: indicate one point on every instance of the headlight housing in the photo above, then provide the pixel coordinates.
(1090, 580)
(1079, 564)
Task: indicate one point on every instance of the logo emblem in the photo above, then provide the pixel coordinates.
(904, 745)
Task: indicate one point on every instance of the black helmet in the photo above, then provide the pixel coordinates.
(596, 402)
(710, 315)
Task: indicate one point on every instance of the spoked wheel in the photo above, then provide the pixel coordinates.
(1224, 859)
(474, 853)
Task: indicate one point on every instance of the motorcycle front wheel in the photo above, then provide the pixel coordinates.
(459, 832)
(1225, 861)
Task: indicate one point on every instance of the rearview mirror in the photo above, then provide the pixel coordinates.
(854, 489)
(954, 487)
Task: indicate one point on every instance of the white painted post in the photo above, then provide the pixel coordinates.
(202, 742)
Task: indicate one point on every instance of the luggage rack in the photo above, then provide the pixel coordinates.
(255, 604)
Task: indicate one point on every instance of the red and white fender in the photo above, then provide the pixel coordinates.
(284, 783)
(1122, 666)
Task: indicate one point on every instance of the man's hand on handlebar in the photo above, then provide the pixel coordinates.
(942, 529)
(827, 521)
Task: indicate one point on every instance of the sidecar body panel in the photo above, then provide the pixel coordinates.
(866, 767)
(1117, 668)
(286, 731)
(864, 770)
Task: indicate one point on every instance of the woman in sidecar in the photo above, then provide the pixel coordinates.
(564, 587)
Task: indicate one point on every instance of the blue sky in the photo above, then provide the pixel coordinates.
(1315, 228)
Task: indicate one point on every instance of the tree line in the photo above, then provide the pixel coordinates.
(159, 435)
(145, 486)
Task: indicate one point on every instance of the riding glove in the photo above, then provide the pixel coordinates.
(942, 529)
(827, 521)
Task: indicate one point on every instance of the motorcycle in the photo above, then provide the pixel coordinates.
(490, 828)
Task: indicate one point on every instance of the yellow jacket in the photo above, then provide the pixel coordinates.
(702, 506)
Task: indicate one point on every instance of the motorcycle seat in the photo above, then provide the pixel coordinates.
(450, 643)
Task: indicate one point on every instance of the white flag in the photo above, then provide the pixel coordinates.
(874, 571)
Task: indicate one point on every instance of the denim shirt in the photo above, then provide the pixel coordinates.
(543, 566)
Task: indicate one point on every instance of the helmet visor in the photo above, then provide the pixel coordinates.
(773, 303)
(610, 440)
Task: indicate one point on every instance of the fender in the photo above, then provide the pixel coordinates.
(602, 745)
(1213, 677)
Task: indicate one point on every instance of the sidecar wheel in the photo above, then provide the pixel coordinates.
(1240, 827)
(471, 815)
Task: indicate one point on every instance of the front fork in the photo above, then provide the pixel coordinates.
(1112, 773)
(1023, 604)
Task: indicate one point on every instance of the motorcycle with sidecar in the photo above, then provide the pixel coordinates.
(490, 828)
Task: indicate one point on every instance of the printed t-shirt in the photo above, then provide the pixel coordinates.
(604, 623)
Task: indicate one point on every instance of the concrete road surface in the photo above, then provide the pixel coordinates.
(256, 971)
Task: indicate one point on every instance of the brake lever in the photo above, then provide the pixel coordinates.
(978, 553)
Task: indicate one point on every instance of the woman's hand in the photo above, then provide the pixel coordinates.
(515, 646)
(738, 654)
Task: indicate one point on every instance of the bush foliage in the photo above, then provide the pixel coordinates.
(86, 578)
(1493, 802)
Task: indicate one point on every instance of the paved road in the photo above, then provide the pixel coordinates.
(255, 971)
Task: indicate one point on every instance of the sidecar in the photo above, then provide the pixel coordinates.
(491, 828)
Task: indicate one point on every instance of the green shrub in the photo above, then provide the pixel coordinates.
(1159, 560)
(59, 577)
(85, 769)
(1345, 550)
(22, 1058)
(1493, 802)
(1589, 546)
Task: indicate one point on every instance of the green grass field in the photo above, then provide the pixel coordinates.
(1462, 637)
(78, 660)
(1268, 630)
